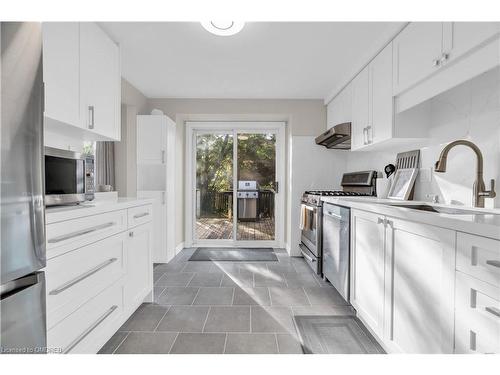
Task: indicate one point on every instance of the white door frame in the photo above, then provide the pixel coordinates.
(234, 127)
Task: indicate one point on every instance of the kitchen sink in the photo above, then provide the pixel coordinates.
(442, 210)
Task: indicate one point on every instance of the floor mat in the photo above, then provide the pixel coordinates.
(234, 254)
(336, 334)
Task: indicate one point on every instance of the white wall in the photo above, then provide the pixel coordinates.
(469, 111)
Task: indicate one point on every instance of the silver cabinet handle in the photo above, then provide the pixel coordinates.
(138, 216)
(365, 136)
(368, 138)
(435, 63)
(333, 214)
(380, 221)
(91, 117)
(81, 232)
(82, 277)
(163, 156)
(162, 197)
(90, 329)
(494, 263)
(493, 310)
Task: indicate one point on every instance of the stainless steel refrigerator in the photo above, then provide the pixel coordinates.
(22, 303)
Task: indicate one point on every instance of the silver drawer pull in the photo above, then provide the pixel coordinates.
(81, 232)
(90, 329)
(494, 263)
(82, 277)
(493, 310)
(137, 216)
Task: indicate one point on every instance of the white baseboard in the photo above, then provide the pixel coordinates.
(179, 248)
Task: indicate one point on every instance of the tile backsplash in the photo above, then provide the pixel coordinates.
(469, 111)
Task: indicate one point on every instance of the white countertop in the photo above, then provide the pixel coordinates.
(62, 213)
(485, 223)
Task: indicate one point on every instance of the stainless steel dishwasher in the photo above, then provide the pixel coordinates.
(336, 254)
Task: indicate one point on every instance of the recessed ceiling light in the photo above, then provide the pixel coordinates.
(224, 28)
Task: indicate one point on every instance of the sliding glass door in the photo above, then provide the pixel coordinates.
(236, 180)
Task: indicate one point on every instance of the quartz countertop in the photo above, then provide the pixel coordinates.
(486, 222)
(62, 213)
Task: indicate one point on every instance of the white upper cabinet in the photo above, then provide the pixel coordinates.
(151, 139)
(360, 110)
(339, 110)
(99, 82)
(82, 81)
(417, 50)
(61, 62)
(381, 99)
(461, 37)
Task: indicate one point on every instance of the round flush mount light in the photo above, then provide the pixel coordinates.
(223, 28)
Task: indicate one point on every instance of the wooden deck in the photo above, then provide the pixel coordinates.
(218, 228)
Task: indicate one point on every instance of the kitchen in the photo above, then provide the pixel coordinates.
(170, 214)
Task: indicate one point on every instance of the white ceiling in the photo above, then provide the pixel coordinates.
(265, 60)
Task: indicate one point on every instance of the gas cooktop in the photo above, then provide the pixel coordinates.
(335, 193)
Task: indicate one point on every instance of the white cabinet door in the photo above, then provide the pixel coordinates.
(367, 268)
(61, 74)
(360, 109)
(139, 281)
(161, 252)
(99, 82)
(460, 37)
(151, 139)
(416, 49)
(381, 100)
(419, 288)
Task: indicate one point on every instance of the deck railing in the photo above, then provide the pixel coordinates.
(220, 204)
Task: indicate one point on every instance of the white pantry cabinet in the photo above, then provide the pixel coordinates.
(420, 267)
(99, 82)
(82, 81)
(61, 62)
(367, 260)
(156, 177)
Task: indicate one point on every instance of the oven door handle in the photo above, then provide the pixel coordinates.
(305, 255)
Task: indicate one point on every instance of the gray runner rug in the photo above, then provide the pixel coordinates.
(234, 254)
(335, 334)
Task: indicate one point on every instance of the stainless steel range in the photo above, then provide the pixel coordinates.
(312, 222)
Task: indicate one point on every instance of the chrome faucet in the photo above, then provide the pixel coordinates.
(479, 191)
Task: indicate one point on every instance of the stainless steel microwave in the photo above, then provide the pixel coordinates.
(69, 177)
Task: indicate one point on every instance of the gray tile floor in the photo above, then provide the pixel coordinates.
(226, 307)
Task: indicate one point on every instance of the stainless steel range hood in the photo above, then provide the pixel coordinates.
(337, 137)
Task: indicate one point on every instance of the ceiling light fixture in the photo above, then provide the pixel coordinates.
(223, 28)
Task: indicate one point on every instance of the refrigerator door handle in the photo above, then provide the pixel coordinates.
(16, 285)
(38, 228)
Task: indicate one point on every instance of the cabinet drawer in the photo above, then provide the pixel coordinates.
(479, 257)
(89, 327)
(77, 276)
(70, 234)
(477, 319)
(139, 215)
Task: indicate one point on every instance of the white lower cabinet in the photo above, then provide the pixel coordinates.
(367, 281)
(403, 282)
(139, 282)
(93, 289)
(420, 266)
